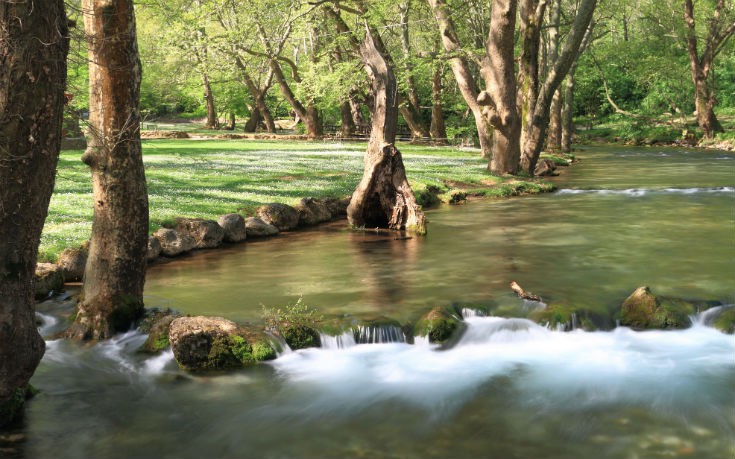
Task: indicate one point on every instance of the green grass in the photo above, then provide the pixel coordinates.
(208, 178)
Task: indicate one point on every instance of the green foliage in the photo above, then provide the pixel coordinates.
(296, 322)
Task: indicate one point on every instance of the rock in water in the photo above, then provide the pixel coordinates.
(255, 227)
(207, 234)
(173, 243)
(281, 216)
(154, 249)
(49, 278)
(643, 310)
(72, 262)
(234, 227)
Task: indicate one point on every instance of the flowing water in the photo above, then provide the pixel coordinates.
(507, 388)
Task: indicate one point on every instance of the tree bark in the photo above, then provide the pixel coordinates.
(347, 126)
(251, 125)
(34, 42)
(463, 74)
(438, 130)
(567, 122)
(719, 32)
(258, 95)
(499, 97)
(383, 198)
(535, 133)
(553, 140)
(309, 115)
(112, 294)
(212, 121)
(410, 107)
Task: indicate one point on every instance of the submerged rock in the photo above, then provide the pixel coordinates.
(200, 343)
(233, 226)
(49, 278)
(12, 406)
(643, 310)
(207, 234)
(439, 325)
(281, 216)
(72, 262)
(337, 207)
(174, 243)
(255, 227)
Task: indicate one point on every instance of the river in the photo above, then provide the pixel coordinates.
(623, 217)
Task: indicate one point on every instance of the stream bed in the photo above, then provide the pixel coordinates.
(508, 388)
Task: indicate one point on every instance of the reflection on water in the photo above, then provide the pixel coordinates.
(507, 388)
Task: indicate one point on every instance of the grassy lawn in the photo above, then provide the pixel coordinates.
(208, 178)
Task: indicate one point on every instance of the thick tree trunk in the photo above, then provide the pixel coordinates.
(34, 42)
(383, 197)
(251, 125)
(438, 130)
(499, 98)
(112, 293)
(212, 121)
(705, 104)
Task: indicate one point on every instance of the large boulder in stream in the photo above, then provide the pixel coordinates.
(174, 243)
(255, 227)
(234, 227)
(201, 343)
(154, 249)
(207, 234)
(643, 310)
(282, 216)
(439, 325)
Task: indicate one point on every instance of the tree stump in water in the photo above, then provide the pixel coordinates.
(384, 197)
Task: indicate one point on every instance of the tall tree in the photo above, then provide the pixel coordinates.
(112, 293)
(34, 44)
(720, 28)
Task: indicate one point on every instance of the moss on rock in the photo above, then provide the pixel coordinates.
(643, 310)
(725, 321)
(439, 324)
(300, 336)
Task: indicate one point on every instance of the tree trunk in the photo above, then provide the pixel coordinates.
(410, 108)
(112, 294)
(258, 95)
(308, 115)
(383, 197)
(700, 66)
(417, 128)
(498, 71)
(347, 127)
(462, 73)
(34, 42)
(231, 123)
(535, 133)
(251, 125)
(567, 112)
(438, 130)
(553, 140)
(212, 121)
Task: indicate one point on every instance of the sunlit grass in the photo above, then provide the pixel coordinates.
(208, 178)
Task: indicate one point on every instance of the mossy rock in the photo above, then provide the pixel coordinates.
(201, 343)
(428, 197)
(157, 323)
(380, 330)
(643, 310)
(300, 337)
(725, 320)
(439, 324)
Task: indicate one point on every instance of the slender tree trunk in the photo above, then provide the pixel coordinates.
(309, 115)
(357, 116)
(438, 129)
(258, 95)
(410, 106)
(553, 140)
(463, 74)
(34, 42)
(383, 197)
(529, 69)
(567, 113)
(415, 125)
(212, 121)
(705, 104)
(535, 133)
(112, 294)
